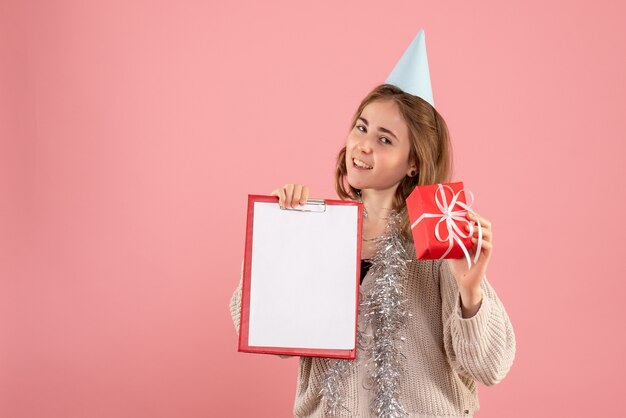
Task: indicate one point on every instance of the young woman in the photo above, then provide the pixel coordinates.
(457, 331)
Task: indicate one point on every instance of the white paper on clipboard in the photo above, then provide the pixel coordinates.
(302, 280)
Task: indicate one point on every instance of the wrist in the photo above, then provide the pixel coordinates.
(471, 299)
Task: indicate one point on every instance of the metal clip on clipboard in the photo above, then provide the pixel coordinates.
(316, 205)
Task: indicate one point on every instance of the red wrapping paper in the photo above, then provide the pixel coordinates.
(440, 209)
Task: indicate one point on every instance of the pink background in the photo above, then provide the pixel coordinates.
(132, 131)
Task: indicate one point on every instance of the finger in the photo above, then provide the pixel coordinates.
(484, 222)
(487, 245)
(288, 188)
(474, 217)
(486, 233)
(305, 195)
(297, 192)
(281, 196)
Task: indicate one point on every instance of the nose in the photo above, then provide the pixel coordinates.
(364, 145)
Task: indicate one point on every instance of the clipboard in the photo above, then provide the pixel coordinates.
(301, 278)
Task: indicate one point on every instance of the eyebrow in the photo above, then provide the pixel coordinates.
(385, 130)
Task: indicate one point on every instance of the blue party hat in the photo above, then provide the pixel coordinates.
(411, 72)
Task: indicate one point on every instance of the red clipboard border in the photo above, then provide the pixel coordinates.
(349, 354)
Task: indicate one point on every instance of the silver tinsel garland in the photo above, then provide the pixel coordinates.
(385, 309)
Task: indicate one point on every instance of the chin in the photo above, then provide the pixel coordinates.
(350, 179)
(358, 184)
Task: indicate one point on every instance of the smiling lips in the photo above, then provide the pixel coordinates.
(360, 164)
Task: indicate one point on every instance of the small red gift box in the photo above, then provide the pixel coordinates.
(438, 215)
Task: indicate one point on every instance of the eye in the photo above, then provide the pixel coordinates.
(383, 138)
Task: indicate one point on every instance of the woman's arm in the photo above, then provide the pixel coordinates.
(481, 347)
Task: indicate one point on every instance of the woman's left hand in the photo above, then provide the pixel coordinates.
(469, 279)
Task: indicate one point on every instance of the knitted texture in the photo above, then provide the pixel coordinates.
(445, 354)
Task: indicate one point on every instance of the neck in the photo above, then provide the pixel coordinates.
(378, 202)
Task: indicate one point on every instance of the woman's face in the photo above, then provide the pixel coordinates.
(380, 139)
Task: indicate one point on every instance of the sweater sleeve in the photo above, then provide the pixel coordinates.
(481, 347)
(235, 306)
(235, 303)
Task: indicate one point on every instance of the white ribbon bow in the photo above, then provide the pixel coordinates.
(449, 216)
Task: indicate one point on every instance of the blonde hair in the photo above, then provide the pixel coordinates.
(430, 148)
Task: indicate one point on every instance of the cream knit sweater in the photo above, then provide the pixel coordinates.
(445, 353)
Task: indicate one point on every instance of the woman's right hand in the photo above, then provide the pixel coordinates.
(291, 195)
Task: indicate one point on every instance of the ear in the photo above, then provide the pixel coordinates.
(412, 169)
